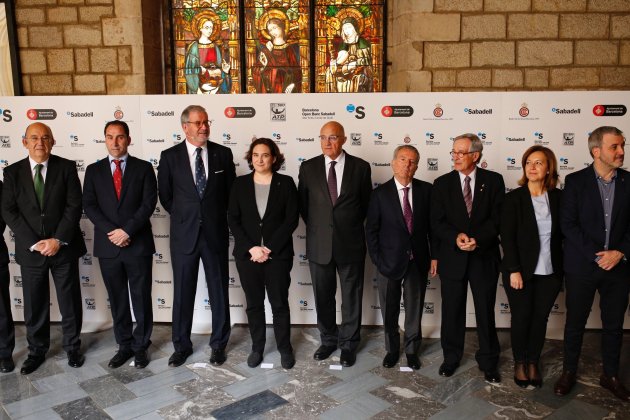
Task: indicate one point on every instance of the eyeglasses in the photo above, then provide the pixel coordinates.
(459, 155)
(36, 139)
(333, 138)
(199, 124)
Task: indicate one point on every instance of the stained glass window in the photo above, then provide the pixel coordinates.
(349, 45)
(207, 46)
(273, 46)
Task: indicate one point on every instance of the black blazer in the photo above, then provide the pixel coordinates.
(4, 252)
(388, 239)
(132, 213)
(277, 224)
(334, 230)
(58, 219)
(582, 221)
(449, 218)
(191, 215)
(519, 233)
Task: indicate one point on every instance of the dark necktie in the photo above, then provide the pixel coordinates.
(118, 175)
(332, 183)
(407, 212)
(200, 173)
(38, 182)
(468, 195)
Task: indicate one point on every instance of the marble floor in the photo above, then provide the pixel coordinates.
(311, 389)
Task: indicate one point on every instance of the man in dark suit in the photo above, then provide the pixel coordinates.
(595, 221)
(334, 192)
(397, 233)
(41, 203)
(194, 179)
(7, 332)
(465, 211)
(119, 196)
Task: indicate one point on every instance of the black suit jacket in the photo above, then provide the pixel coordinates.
(334, 230)
(519, 233)
(277, 224)
(582, 221)
(59, 217)
(132, 213)
(388, 240)
(190, 214)
(4, 252)
(449, 218)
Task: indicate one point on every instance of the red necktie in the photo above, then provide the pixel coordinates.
(118, 177)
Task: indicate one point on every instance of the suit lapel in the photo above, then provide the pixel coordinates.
(52, 173)
(321, 176)
(480, 186)
(620, 194)
(105, 173)
(592, 190)
(346, 178)
(183, 161)
(273, 192)
(457, 195)
(394, 197)
(212, 157)
(128, 175)
(27, 180)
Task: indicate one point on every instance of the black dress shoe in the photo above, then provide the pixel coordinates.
(535, 378)
(218, 357)
(324, 352)
(75, 359)
(141, 359)
(287, 360)
(254, 359)
(179, 357)
(120, 358)
(613, 384)
(348, 358)
(564, 384)
(519, 370)
(447, 370)
(6, 364)
(493, 376)
(413, 361)
(31, 364)
(390, 360)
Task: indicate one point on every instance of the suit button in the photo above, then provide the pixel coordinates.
(260, 224)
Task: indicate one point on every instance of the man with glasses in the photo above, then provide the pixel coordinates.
(465, 212)
(334, 192)
(194, 181)
(41, 204)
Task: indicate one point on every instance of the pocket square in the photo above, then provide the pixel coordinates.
(218, 172)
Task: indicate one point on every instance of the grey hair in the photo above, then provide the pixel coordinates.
(191, 108)
(406, 147)
(476, 144)
(596, 137)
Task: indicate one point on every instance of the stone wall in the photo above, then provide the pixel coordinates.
(475, 45)
(81, 46)
(115, 46)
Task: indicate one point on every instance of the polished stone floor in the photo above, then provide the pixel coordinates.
(310, 390)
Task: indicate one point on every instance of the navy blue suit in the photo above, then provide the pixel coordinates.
(582, 223)
(199, 229)
(128, 268)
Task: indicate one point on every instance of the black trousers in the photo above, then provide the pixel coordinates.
(324, 277)
(185, 269)
(273, 276)
(124, 276)
(613, 301)
(7, 332)
(530, 307)
(413, 287)
(35, 284)
(482, 274)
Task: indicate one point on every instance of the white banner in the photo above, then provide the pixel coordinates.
(507, 123)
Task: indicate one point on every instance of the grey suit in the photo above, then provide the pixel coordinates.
(335, 242)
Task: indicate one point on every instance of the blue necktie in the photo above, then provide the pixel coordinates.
(200, 173)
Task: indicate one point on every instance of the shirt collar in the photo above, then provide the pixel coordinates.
(123, 158)
(599, 178)
(400, 186)
(33, 163)
(472, 175)
(192, 149)
(340, 159)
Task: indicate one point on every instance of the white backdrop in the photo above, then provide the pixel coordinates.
(507, 123)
